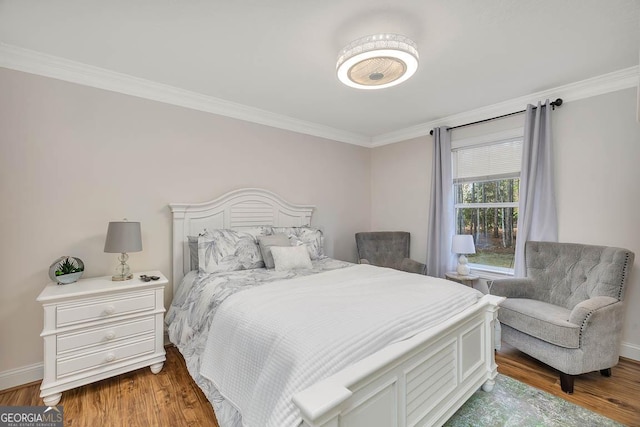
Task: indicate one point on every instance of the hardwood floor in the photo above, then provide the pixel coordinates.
(171, 398)
(136, 399)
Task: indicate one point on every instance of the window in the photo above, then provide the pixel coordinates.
(486, 180)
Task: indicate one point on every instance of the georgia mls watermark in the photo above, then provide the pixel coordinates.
(31, 416)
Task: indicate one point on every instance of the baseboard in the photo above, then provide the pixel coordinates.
(20, 376)
(630, 351)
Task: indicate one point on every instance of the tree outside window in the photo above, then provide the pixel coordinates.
(488, 210)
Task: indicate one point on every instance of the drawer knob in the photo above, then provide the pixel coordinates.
(110, 309)
(111, 335)
(111, 357)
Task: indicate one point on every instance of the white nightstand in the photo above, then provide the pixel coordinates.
(468, 280)
(96, 328)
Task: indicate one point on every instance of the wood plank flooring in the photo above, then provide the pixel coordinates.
(171, 398)
(137, 399)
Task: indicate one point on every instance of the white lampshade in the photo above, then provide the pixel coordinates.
(123, 237)
(463, 244)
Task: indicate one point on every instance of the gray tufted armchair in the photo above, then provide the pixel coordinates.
(387, 249)
(568, 311)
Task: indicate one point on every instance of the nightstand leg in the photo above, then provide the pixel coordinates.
(52, 399)
(157, 367)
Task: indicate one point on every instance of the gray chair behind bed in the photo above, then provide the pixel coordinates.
(387, 249)
(568, 311)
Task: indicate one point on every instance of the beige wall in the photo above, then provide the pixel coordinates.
(400, 188)
(597, 149)
(74, 158)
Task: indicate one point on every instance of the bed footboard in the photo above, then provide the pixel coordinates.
(421, 381)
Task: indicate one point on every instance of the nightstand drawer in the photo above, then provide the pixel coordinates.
(104, 334)
(105, 357)
(96, 309)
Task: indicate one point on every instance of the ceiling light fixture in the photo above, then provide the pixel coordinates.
(377, 61)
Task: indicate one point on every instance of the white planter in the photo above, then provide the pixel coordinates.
(69, 278)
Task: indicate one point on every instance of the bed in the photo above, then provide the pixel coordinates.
(393, 362)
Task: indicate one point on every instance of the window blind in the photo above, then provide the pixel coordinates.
(487, 162)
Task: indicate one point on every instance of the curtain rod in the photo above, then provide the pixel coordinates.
(554, 104)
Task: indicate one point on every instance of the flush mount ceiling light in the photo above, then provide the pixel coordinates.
(377, 61)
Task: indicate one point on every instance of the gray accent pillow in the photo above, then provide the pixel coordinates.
(266, 242)
(193, 251)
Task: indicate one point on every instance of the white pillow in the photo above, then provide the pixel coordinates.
(291, 258)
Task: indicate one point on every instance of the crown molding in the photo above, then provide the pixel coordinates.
(33, 62)
(610, 82)
(39, 63)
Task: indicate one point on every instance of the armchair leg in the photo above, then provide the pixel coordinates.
(605, 372)
(566, 382)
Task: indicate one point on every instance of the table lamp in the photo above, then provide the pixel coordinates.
(123, 237)
(462, 244)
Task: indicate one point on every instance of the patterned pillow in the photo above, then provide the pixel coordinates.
(228, 250)
(257, 231)
(311, 237)
(193, 242)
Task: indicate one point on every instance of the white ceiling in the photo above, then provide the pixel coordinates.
(280, 55)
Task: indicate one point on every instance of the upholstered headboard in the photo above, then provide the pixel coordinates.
(247, 207)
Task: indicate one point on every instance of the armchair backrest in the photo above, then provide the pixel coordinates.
(566, 274)
(383, 248)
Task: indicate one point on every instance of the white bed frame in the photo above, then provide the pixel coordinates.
(421, 381)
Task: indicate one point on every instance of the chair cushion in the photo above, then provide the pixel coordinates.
(542, 320)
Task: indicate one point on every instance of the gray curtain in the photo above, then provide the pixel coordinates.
(537, 216)
(441, 213)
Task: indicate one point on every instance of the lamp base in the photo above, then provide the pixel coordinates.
(463, 269)
(122, 270)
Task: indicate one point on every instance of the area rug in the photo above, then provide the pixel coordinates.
(512, 403)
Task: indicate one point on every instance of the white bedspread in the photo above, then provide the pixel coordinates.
(270, 342)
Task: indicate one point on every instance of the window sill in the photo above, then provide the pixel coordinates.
(488, 274)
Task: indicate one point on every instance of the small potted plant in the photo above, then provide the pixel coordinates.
(66, 270)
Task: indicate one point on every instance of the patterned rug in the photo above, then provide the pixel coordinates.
(512, 403)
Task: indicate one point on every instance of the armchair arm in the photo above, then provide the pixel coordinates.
(413, 266)
(600, 320)
(582, 311)
(511, 288)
